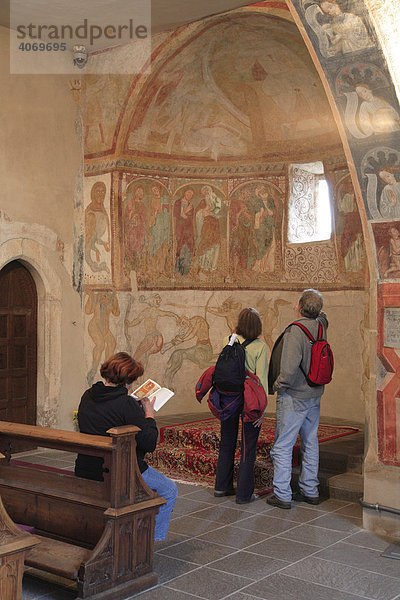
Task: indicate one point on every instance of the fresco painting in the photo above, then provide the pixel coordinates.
(243, 87)
(97, 230)
(387, 240)
(381, 170)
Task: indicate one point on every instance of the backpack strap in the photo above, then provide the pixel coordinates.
(308, 334)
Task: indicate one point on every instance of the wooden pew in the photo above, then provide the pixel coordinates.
(98, 533)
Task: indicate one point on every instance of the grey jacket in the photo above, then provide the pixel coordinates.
(296, 352)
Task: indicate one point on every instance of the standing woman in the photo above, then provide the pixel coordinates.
(249, 328)
(110, 404)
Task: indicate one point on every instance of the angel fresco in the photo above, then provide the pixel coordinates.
(381, 169)
(338, 32)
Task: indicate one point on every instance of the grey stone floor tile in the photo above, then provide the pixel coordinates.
(185, 506)
(265, 524)
(163, 592)
(172, 538)
(247, 564)
(345, 578)
(329, 505)
(234, 537)
(197, 551)
(316, 536)
(35, 588)
(299, 513)
(288, 550)
(191, 526)
(169, 568)
(369, 540)
(209, 584)
(351, 510)
(186, 488)
(223, 514)
(242, 596)
(279, 586)
(338, 522)
(362, 558)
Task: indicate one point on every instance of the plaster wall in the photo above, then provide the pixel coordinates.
(40, 171)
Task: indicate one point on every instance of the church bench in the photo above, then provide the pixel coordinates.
(97, 533)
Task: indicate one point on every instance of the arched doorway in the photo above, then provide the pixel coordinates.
(18, 344)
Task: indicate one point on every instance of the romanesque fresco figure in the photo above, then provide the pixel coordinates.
(184, 232)
(389, 205)
(376, 115)
(394, 252)
(241, 239)
(349, 229)
(101, 305)
(159, 231)
(208, 243)
(264, 231)
(149, 316)
(338, 31)
(97, 229)
(201, 353)
(135, 225)
(228, 309)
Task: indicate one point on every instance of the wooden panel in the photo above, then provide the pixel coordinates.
(3, 326)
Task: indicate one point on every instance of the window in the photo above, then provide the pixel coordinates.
(310, 218)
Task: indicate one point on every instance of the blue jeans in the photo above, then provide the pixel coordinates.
(168, 490)
(294, 416)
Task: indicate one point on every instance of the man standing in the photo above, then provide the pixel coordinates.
(297, 405)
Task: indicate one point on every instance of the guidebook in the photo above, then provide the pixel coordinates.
(152, 389)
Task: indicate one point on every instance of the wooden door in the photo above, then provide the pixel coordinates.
(18, 344)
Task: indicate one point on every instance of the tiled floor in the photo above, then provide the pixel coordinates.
(217, 550)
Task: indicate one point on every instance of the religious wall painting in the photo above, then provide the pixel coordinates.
(311, 263)
(243, 86)
(380, 169)
(255, 231)
(387, 243)
(104, 96)
(339, 26)
(147, 234)
(348, 229)
(200, 232)
(370, 108)
(100, 306)
(97, 230)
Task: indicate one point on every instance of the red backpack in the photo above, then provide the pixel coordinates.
(321, 366)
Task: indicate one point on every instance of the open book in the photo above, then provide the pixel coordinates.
(150, 389)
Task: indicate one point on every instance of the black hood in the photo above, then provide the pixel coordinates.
(102, 393)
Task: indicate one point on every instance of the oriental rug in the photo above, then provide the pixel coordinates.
(188, 452)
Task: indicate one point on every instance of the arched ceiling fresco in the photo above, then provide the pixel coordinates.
(243, 87)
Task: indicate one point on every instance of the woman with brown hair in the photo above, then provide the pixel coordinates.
(110, 404)
(248, 328)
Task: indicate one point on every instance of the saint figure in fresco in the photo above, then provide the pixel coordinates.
(135, 225)
(375, 114)
(208, 214)
(394, 252)
(343, 33)
(184, 232)
(264, 231)
(153, 340)
(97, 229)
(389, 206)
(159, 230)
(101, 305)
(349, 230)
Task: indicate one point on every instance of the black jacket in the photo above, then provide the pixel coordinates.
(103, 407)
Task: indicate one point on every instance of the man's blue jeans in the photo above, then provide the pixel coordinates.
(167, 489)
(294, 416)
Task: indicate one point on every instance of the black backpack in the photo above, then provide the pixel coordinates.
(230, 372)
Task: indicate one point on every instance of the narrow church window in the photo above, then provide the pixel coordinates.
(310, 218)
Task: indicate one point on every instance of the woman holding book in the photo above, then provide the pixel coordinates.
(110, 404)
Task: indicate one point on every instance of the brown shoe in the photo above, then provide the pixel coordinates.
(277, 502)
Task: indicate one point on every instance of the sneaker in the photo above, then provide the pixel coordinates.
(221, 493)
(251, 499)
(277, 502)
(300, 497)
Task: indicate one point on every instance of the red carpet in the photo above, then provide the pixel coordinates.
(189, 451)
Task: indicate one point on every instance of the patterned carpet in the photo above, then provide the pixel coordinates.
(189, 451)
